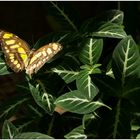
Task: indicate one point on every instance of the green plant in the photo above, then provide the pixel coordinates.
(99, 101)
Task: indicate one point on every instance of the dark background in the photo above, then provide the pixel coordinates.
(29, 19)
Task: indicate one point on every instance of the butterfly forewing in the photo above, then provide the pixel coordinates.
(41, 56)
(16, 51)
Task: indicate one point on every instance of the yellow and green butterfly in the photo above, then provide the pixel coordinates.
(19, 57)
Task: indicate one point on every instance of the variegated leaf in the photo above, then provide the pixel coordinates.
(67, 75)
(75, 102)
(91, 50)
(126, 59)
(76, 133)
(85, 85)
(110, 30)
(9, 130)
(43, 99)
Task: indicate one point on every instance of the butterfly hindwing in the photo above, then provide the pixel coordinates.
(16, 51)
(41, 56)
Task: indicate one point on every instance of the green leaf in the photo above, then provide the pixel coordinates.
(57, 17)
(91, 50)
(116, 123)
(9, 108)
(111, 16)
(63, 37)
(131, 88)
(91, 123)
(35, 111)
(75, 102)
(131, 92)
(135, 127)
(85, 85)
(76, 133)
(42, 98)
(138, 136)
(67, 75)
(126, 60)
(114, 16)
(109, 70)
(111, 30)
(86, 118)
(107, 85)
(32, 135)
(110, 73)
(91, 69)
(3, 68)
(9, 130)
(26, 123)
(68, 69)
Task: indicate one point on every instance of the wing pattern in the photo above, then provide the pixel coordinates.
(19, 57)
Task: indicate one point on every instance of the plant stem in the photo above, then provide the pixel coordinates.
(42, 86)
(116, 119)
(64, 15)
(51, 126)
(119, 5)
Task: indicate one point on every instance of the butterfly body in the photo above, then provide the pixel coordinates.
(19, 57)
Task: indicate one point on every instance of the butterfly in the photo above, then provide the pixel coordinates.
(19, 57)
